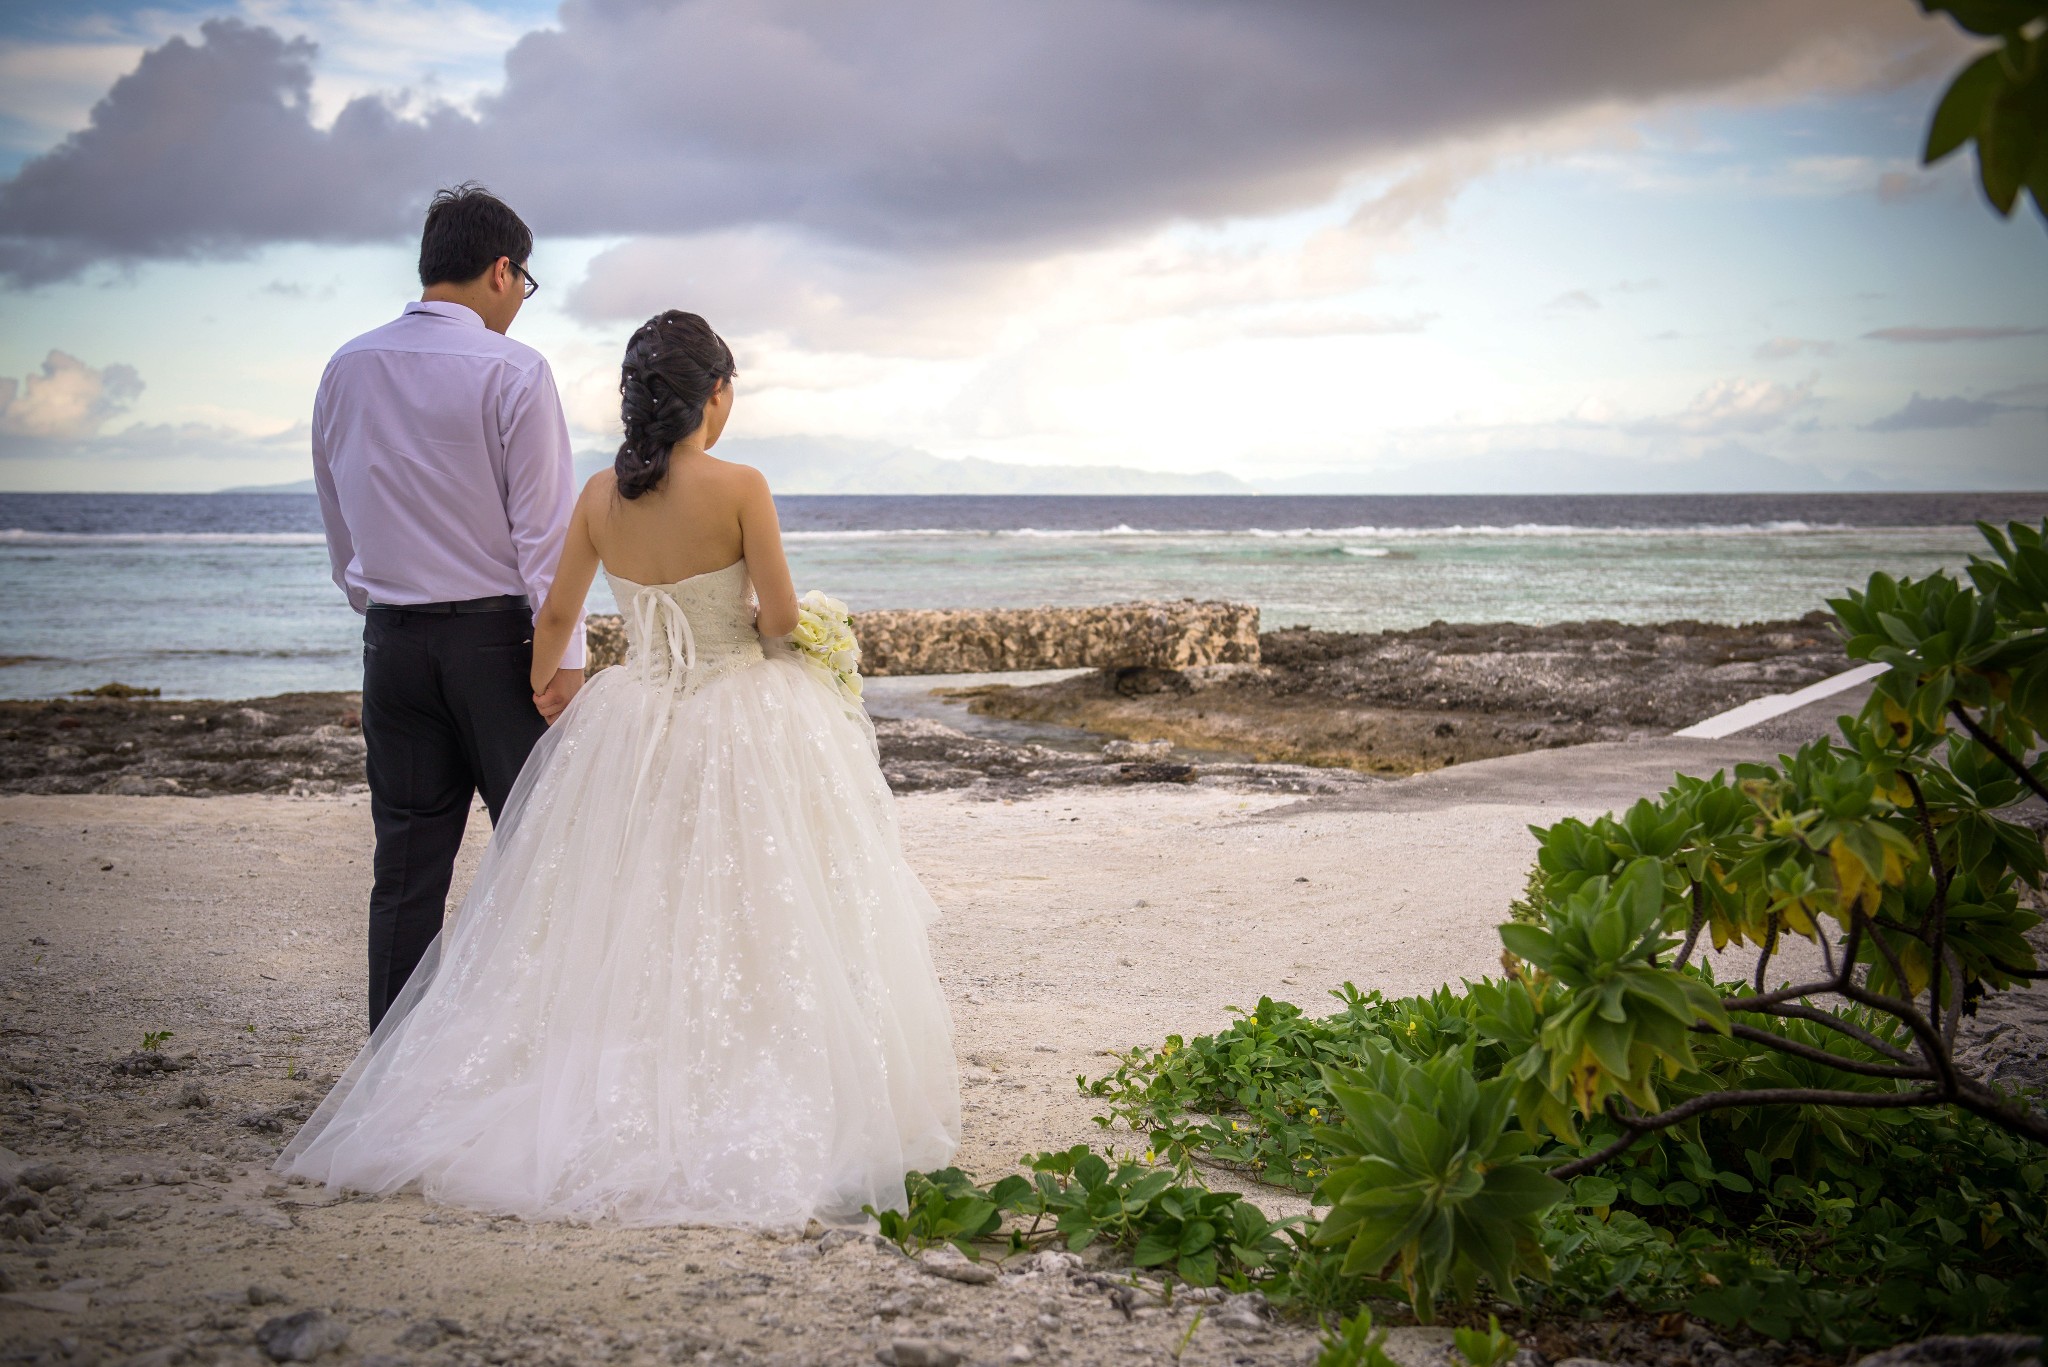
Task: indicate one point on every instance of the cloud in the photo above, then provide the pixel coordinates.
(1577, 301)
(1896, 187)
(194, 456)
(1927, 415)
(1960, 334)
(908, 125)
(48, 89)
(1731, 406)
(67, 399)
(1784, 348)
(1339, 325)
(1565, 470)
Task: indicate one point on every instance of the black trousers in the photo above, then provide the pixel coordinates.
(447, 712)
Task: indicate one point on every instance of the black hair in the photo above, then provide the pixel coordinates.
(674, 364)
(467, 229)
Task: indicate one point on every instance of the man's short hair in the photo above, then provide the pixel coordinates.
(467, 229)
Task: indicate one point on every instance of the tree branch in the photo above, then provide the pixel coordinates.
(1699, 919)
(2003, 755)
(1936, 921)
(1979, 1100)
(1637, 1127)
(1761, 1000)
(1832, 1060)
(1800, 1011)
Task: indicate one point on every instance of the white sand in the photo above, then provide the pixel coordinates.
(1085, 920)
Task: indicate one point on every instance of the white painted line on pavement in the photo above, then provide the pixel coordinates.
(1777, 704)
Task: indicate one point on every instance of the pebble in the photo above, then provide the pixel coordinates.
(839, 1238)
(918, 1353)
(1246, 1313)
(195, 1097)
(955, 1266)
(263, 1295)
(431, 1332)
(170, 1355)
(301, 1337)
(897, 1305)
(1957, 1350)
(1055, 1262)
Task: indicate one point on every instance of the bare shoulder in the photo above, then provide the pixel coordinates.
(599, 486)
(744, 481)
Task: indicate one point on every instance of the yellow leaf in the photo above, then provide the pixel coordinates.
(1850, 875)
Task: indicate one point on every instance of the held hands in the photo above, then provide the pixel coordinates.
(556, 695)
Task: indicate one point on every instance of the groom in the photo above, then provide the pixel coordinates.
(442, 460)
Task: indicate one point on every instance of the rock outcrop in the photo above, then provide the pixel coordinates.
(1157, 635)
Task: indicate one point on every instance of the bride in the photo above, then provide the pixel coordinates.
(690, 983)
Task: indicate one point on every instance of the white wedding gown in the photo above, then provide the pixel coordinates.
(690, 983)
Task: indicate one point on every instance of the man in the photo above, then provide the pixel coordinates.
(443, 465)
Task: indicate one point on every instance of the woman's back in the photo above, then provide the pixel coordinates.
(690, 525)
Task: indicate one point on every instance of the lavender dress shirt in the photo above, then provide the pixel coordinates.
(443, 464)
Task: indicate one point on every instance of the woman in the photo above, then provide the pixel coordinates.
(691, 981)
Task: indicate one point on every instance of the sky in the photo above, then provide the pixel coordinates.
(1319, 245)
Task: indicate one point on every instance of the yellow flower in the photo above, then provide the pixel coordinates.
(1313, 1113)
(1148, 1155)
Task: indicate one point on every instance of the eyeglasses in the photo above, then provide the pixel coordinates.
(531, 283)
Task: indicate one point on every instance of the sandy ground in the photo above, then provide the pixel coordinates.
(1085, 920)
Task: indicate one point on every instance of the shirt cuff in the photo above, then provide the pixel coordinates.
(572, 656)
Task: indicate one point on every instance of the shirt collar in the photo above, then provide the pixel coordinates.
(441, 308)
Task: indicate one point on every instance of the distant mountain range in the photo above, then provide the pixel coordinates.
(836, 465)
(833, 465)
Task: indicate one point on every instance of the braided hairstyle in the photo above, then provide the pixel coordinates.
(674, 364)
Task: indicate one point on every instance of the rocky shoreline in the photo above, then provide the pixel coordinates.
(1318, 712)
(1404, 702)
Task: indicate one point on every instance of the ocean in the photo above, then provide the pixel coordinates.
(227, 595)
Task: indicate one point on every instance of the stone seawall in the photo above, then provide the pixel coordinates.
(1163, 635)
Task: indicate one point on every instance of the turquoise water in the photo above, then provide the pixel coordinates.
(228, 595)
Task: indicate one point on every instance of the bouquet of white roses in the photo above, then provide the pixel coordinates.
(824, 638)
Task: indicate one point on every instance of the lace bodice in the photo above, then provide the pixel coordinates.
(684, 635)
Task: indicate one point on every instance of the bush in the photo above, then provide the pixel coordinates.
(1608, 1120)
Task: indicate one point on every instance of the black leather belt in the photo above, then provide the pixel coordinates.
(504, 602)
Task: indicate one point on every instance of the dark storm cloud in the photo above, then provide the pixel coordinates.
(969, 125)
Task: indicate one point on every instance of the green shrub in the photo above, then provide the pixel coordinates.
(1608, 1120)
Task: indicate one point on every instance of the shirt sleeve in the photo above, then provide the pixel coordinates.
(540, 487)
(341, 547)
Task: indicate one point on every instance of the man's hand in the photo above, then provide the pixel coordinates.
(552, 699)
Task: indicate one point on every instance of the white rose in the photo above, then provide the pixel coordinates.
(809, 634)
(843, 661)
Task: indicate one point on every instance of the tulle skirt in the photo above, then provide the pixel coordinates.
(690, 984)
